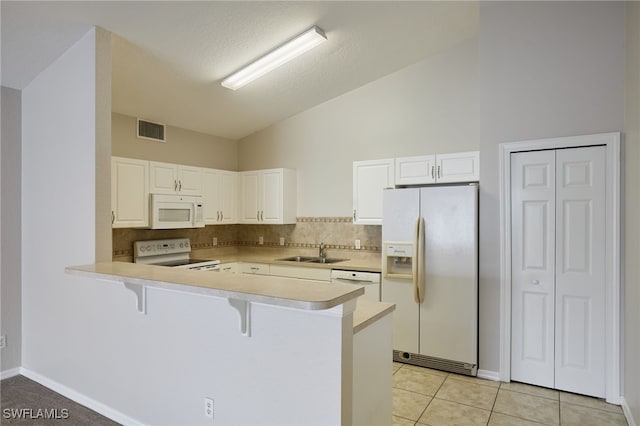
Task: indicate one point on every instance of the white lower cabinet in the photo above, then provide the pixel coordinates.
(301, 272)
(254, 268)
(231, 268)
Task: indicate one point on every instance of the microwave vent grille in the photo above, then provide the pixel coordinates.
(150, 130)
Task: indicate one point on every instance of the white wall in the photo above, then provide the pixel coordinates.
(59, 211)
(546, 69)
(10, 323)
(427, 108)
(631, 338)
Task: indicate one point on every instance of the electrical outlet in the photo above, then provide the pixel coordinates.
(208, 407)
(215, 241)
(3, 342)
(281, 241)
(357, 244)
(260, 240)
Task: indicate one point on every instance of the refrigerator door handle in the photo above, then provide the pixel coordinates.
(418, 262)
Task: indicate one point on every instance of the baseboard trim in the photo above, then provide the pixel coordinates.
(627, 412)
(489, 375)
(80, 398)
(9, 373)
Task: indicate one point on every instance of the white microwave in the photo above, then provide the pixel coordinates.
(170, 211)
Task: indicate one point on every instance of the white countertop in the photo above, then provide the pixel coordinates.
(289, 292)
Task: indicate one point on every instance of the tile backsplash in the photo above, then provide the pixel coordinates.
(308, 232)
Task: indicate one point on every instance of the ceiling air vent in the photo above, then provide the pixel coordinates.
(150, 130)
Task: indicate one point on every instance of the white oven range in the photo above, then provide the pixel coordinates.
(173, 252)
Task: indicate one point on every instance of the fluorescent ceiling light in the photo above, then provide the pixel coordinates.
(272, 60)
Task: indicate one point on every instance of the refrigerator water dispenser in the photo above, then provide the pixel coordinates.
(398, 260)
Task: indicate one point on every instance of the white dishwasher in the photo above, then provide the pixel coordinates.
(369, 280)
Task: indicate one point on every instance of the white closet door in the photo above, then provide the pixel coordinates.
(532, 269)
(580, 270)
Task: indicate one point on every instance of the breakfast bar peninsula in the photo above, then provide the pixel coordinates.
(265, 350)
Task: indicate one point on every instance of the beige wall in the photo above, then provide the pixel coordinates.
(427, 108)
(546, 69)
(10, 249)
(631, 338)
(182, 146)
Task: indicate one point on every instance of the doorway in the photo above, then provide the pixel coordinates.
(549, 284)
(558, 234)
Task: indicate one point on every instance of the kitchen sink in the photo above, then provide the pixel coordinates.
(326, 260)
(312, 259)
(298, 259)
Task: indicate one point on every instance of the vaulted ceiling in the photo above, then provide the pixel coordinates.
(169, 57)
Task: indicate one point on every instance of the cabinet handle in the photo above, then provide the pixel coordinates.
(439, 172)
(354, 215)
(218, 219)
(262, 215)
(433, 172)
(113, 217)
(221, 215)
(180, 185)
(258, 215)
(175, 185)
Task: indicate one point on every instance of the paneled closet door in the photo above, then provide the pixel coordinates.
(532, 270)
(558, 269)
(580, 270)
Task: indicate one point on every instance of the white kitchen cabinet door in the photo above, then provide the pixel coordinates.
(254, 268)
(219, 192)
(370, 178)
(249, 196)
(129, 193)
(301, 272)
(415, 170)
(163, 178)
(189, 180)
(458, 167)
(230, 268)
(211, 188)
(268, 196)
(558, 269)
(167, 178)
(229, 197)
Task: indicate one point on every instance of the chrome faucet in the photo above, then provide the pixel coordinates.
(321, 253)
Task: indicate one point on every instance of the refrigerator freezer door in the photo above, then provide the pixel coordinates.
(449, 313)
(400, 212)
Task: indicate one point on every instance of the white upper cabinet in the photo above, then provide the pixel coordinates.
(220, 193)
(370, 178)
(416, 170)
(268, 196)
(167, 178)
(129, 193)
(458, 167)
(440, 168)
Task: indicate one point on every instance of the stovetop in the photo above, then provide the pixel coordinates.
(182, 262)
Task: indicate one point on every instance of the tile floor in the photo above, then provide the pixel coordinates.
(429, 397)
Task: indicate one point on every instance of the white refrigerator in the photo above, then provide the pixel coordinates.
(430, 272)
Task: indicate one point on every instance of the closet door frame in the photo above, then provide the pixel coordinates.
(611, 141)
